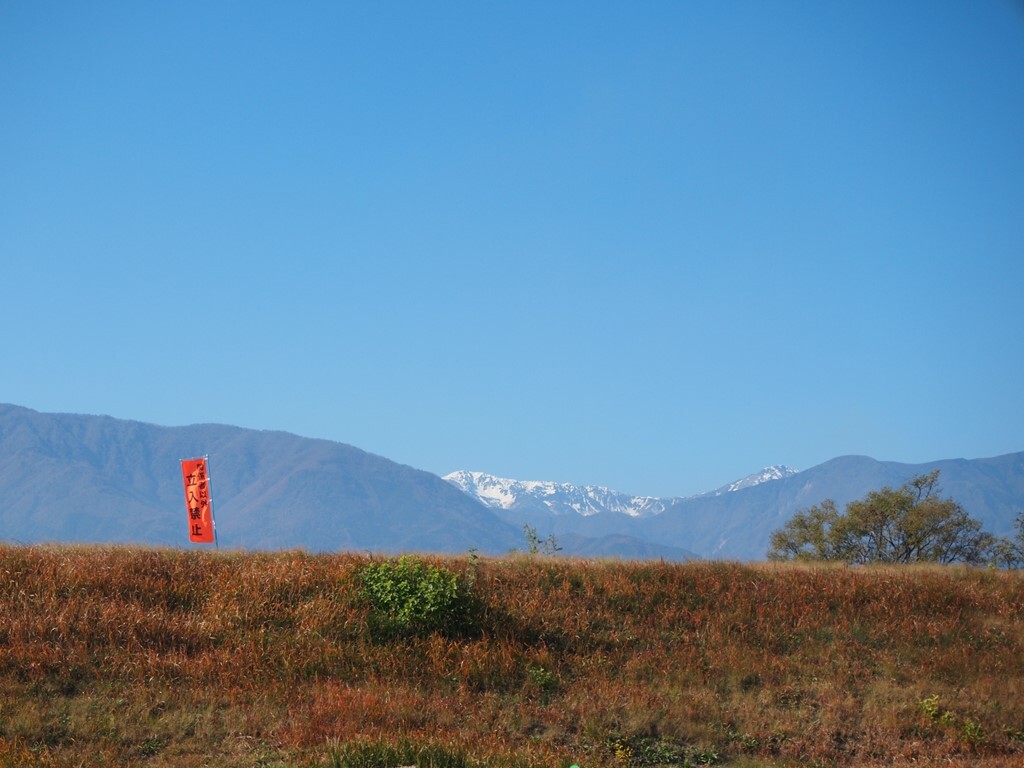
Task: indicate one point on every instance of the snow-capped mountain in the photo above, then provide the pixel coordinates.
(99, 480)
(559, 498)
(566, 498)
(776, 472)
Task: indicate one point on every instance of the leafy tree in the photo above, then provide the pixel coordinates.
(1009, 553)
(807, 535)
(910, 524)
(1018, 542)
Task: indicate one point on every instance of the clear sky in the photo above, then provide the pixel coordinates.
(649, 245)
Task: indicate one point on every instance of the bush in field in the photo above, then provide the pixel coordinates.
(643, 751)
(410, 597)
(537, 546)
(384, 755)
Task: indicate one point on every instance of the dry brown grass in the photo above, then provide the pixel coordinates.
(161, 658)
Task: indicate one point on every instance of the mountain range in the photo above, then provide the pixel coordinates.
(737, 520)
(567, 499)
(68, 478)
(72, 478)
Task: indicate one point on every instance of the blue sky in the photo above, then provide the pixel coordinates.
(654, 246)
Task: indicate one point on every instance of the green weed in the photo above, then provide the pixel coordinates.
(363, 754)
(411, 597)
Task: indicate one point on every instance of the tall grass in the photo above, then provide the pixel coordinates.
(144, 657)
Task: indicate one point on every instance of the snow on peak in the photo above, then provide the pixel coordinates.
(559, 498)
(775, 472)
(492, 491)
(565, 498)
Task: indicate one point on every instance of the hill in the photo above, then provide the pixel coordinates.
(739, 525)
(736, 521)
(121, 657)
(95, 479)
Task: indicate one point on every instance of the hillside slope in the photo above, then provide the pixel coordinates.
(129, 657)
(73, 478)
(737, 520)
(738, 525)
(95, 479)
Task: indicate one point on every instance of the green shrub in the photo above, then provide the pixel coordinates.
(971, 733)
(410, 597)
(543, 679)
(643, 751)
(929, 707)
(381, 755)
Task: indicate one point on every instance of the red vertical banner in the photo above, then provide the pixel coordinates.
(198, 501)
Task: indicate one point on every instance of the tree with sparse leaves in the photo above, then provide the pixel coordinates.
(910, 524)
(1009, 553)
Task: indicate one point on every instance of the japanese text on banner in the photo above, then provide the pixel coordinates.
(197, 501)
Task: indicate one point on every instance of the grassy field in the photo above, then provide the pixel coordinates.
(164, 658)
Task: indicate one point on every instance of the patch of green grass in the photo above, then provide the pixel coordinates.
(376, 754)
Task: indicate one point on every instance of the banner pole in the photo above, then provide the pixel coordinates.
(213, 517)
